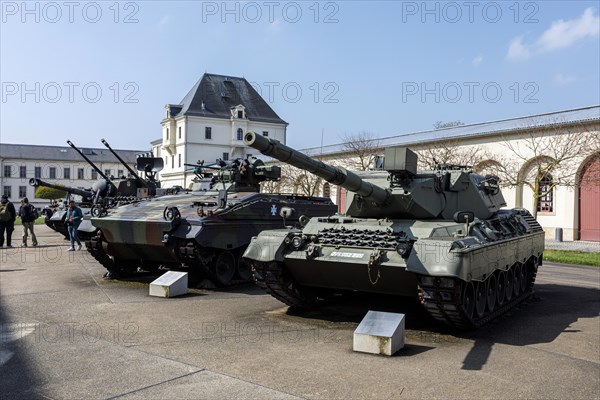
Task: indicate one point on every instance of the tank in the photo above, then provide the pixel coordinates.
(108, 194)
(440, 236)
(204, 231)
(54, 217)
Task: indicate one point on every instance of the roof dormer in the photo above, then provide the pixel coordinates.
(238, 112)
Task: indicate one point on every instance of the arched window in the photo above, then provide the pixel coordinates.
(546, 195)
(326, 190)
(240, 134)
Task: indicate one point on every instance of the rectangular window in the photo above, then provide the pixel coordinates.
(240, 114)
(225, 156)
(7, 171)
(37, 172)
(52, 172)
(120, 173)
(67, 173)
(265, 133)
(79, 173)
(94, 174)
(107, 172)
(22, 191)
(179, 132)
(6, 190)
(208, 132)
(179, 160)
(172, 161)
(167, 133)
(23, 172)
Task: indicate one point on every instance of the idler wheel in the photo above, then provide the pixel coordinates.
(244, 268)
(518, 270)
(509, 284)
(224, 268)
(468, 300)
(480, 299)
(500, 288)
(491, 293)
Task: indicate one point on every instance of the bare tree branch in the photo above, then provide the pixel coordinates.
(362, 149)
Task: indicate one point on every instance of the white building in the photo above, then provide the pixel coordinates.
(55, 165)
(209, 123)
(574, 208)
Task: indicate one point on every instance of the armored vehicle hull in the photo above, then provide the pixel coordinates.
(440, 236)
(194, 231)
(206, 230)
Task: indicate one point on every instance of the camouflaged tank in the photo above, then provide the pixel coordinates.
(54, 218)
(205, 231)
(440, 236)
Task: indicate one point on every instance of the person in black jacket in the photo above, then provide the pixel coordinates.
(7, 220)
(28, 216)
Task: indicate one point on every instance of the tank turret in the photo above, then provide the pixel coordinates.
(432, 195)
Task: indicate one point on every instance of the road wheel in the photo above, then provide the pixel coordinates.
(500, 288)
(509, 284)
(518, 270)
(468, 301)
(480, 299)
(224, 268)
(491, 293)
(244, 268)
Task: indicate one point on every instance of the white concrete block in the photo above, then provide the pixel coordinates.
(171, 284)
(380, 333)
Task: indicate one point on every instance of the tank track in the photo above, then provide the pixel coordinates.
(275, 280)
(446, 305)
(442, 303)
(94, 248)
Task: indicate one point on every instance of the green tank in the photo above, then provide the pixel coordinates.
(206, 230)
(440, 236)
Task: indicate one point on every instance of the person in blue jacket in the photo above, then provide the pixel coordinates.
(73, 219)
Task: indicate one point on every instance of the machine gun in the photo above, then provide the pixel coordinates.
(410, 195)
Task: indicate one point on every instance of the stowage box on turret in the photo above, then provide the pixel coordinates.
(205, 230)
(441, 236)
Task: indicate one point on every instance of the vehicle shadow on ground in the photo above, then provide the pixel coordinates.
(18, 377)
(547, 314)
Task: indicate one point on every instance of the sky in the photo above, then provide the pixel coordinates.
(84, 71)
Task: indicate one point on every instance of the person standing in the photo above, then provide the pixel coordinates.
(7, 220)
(73, 219)
(28, 215)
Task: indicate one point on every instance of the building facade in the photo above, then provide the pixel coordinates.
(209, 124)
(563, 146)
(57, 165)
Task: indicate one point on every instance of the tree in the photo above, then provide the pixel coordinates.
(449, 124)
(543, 160)
(44, 192)
(362, 149)
(448, 152)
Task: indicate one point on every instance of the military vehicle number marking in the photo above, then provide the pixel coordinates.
(347, 255)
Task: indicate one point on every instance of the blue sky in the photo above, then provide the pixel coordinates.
(91, 70)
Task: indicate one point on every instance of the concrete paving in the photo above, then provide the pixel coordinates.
(67, 334)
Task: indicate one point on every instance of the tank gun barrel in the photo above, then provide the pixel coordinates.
(91, 163)
(334, 175)
(81, 192)
(139, 180)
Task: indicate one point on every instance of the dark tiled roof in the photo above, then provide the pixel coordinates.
(219, 94)
(66, 153)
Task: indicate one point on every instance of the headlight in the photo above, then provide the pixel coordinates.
(403, 249)
(297, 242)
